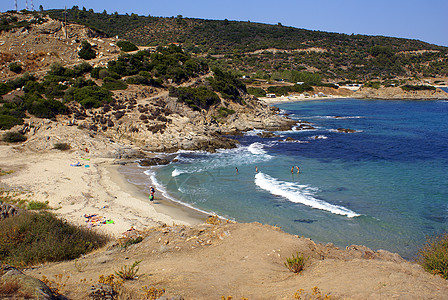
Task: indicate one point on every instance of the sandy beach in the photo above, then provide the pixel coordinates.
(94, 188)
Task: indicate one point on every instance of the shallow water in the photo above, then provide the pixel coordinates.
(384, 186)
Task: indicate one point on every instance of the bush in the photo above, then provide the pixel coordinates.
(196, 98)
(127, 46)
(434, 255)
(129, 273)
(13, 137)
(224, 112)
(113, 84)
(295, 263)
(228, 85)
(81, 69)
(62, 146)
(37, 205)
(86, 51)
(409, 87)
(4, 88)
(8, 121)
(88, 96)
(31, 238)
(257, 92)
(15, 67)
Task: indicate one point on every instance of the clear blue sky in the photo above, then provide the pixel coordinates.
(425, 20)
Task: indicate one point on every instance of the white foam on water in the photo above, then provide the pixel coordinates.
(175, 172)
(299, 194)
(253, 132)
(240, 156)
(318, 137)
(161, 189)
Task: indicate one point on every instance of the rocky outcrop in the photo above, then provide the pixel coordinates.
(8, 210)
(345, 130)
(155, 161)
(396, 93)
(25, 286)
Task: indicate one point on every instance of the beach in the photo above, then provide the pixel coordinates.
(93, 188)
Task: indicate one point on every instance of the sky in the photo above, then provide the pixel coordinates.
(425, 20)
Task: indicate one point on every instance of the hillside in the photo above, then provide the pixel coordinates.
(111, 110)
(261, 49)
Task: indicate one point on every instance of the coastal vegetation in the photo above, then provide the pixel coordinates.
(434, 255)
(31, 238)
(127, 46)
(264, 50)
(295, 263)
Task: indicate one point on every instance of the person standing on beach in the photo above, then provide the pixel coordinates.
(151, 193)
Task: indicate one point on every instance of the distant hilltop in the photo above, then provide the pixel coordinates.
(254, 48)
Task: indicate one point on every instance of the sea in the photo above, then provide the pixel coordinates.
(384, 186)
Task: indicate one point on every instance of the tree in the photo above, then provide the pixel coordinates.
(86, 51)
(41, 8)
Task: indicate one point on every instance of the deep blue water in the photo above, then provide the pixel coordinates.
(384, 186)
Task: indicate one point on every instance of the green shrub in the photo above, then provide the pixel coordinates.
(257, 92)
(15, 67)
(434, 255)
(37, 237)
(128, 273)
(8, 121)
(43, 108)
(409, 87)
(196, 98)
(88, 96)
(228, 85)
(113, 84)
(295, 263)
(86, 51)
(129, 242)
(4, 88)
(224, 112)
(82, 69)
(37, 205)
(62, 146)
(373, 84)
(127, 46)
(13, 137)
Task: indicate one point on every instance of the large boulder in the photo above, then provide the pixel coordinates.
(25, 285)
(8, 210)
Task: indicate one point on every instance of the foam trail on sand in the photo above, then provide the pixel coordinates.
(161, 189)
(298, 194)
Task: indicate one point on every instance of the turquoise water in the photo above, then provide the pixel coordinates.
(384, 186)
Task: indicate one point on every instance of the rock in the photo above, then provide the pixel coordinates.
(305, 127)
(101, 291)
(8, 210)
(175, 297)
(346, 130)
(27, 285)
(155, 161)
(267, 134)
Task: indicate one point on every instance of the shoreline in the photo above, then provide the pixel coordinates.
(94, 188)
(162, 205)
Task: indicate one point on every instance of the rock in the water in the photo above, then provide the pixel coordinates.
(267, 134)
(346, 130)
(155, 161)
